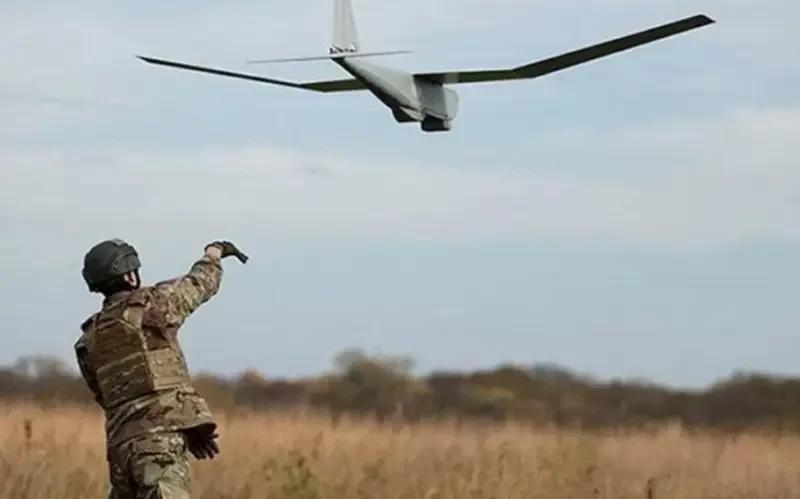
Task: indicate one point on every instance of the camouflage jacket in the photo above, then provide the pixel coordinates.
(164, 308)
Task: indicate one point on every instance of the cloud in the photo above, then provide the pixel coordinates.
(713, 182)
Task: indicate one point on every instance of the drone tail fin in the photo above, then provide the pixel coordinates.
(345, 43)
(345, 35)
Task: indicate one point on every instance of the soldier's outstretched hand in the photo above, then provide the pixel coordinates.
(227, 249)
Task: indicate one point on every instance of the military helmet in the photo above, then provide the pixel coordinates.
(107, 260)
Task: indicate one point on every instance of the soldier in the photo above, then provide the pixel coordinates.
(130, 358)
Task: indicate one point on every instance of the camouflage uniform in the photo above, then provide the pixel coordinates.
(150, 466)
(130, 358)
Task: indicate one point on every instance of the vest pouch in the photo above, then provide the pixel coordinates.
(124, 379)
(167, 369)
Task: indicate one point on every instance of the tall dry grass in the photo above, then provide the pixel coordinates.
(59, 453)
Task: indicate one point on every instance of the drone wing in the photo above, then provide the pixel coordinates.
(532, 70)
(319, 86)
(570, 59)
(335, 86)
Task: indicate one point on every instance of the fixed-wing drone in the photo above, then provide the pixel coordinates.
(424, 98)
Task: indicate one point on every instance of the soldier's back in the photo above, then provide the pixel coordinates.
(141, 373)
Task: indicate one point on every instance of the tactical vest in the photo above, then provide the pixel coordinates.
(131, 355)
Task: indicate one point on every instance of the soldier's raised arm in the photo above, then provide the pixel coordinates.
(178, 298)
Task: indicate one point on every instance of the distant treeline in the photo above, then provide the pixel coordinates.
(386, 389)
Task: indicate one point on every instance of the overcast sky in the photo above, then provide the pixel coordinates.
(633, 217)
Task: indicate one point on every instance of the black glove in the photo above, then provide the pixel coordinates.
(201, 444)
(229, 249)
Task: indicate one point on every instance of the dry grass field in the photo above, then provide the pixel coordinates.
(58, 453)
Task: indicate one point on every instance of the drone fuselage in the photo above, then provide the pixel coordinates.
(410, 98)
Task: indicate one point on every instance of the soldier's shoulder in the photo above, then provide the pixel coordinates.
(149, 298)
(142, 295)
(85, 325)
(155, 297)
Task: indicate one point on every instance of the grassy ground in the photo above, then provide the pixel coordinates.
(59, 453)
